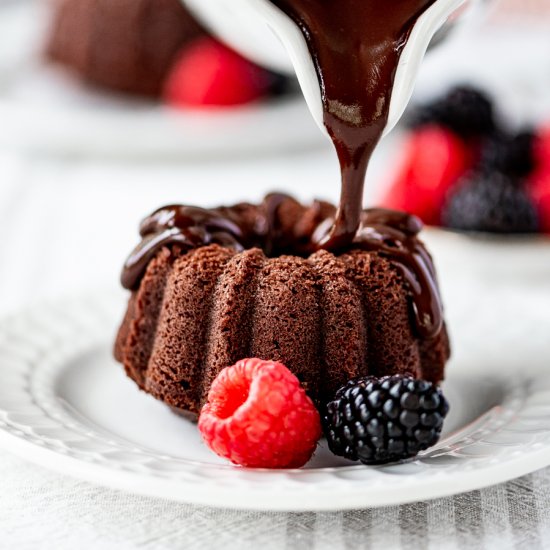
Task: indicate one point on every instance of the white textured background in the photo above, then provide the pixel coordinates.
(65, 226)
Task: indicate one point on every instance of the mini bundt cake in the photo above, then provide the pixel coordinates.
(124, 45)
(210, 287)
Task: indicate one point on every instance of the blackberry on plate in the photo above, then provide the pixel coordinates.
(381, 420)
(490, 202)
(465, 110)
(511, 155)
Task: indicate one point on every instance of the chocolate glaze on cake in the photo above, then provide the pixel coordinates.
(124, 45)
(210, 287)
(391, 234)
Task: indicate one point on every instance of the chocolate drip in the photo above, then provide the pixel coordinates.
(355, 46)
(388, 233)
(190, 227)
(187, 227)
(394, 236)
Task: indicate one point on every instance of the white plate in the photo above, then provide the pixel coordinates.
(65, 404)
(44, 109)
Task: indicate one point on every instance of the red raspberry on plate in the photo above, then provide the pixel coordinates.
(258, 415)
(208, 73)
(434, 158)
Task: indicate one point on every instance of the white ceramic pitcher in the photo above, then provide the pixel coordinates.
(262, 32)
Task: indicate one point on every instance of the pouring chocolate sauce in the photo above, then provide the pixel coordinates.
(355, 46)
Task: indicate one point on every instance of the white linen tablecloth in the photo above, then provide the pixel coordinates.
(65, 227)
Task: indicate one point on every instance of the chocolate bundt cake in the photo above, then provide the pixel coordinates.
(124, 45)
(210, 287)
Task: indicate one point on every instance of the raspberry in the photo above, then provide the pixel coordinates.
(381, 420)
(464, 110)
(208, 73)
(259, 416)
(434, 159)
(538, 183)
(541, 149)
(538, 187)
(491, 202)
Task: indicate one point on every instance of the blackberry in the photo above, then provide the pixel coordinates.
(381, 420)
(511, 155)
(464, 110)
(492, 202)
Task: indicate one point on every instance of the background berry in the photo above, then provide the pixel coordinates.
(538, 187)
(208, 74)
(464, 110)
(491, 202)
(433, 160)
(511, 155)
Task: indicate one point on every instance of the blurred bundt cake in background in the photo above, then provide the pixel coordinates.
(123, 45)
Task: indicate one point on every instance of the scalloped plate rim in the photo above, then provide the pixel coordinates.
(231, 498)
(281, 491)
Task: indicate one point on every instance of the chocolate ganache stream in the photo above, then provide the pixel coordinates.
(355, 46)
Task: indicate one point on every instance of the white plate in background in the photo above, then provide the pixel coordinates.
(43, 108)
